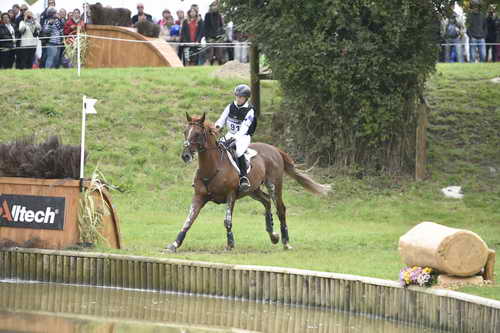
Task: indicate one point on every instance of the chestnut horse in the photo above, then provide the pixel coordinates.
(217, 180)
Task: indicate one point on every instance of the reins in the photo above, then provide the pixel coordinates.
(202, 148)
(201, 144)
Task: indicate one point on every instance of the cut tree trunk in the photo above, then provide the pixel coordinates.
(451, 251)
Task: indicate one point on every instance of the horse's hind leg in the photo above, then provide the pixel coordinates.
(266, 202)
(275, 191)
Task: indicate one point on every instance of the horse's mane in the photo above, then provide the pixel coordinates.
(210, 126)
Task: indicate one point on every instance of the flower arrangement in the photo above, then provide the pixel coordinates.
(421, 276)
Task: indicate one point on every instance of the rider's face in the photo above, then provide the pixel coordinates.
(240, 100)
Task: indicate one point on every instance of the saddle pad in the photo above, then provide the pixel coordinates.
(249, 154)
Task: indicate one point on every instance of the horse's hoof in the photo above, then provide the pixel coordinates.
(229, 248)
(171, 248)
(275, 237)
(287, 247)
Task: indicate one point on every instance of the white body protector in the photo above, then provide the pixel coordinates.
(237, 128)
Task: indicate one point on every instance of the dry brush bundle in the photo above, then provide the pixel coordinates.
(110, 16)
(71, 49)
(148, 29)
(48, 160)
(93, 209)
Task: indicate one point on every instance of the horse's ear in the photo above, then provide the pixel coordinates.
(188, 117)
(202, 119)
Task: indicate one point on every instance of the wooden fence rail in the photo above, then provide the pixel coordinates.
(432, 308)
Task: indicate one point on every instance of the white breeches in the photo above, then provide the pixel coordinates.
(242, 142)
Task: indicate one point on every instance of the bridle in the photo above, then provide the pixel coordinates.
(201, 147)
(201, 143)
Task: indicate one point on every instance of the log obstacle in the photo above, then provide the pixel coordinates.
(43, 213)
(451, 251)
(105, 53)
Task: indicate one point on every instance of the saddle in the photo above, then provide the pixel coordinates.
(230, 148)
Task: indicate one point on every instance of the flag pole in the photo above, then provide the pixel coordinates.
(82, 151)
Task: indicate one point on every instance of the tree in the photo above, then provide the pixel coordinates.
(352, 73)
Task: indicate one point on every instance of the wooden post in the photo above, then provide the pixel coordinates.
(254, 78)
(421, 140)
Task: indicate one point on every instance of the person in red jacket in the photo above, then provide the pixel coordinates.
(71, 29)
(71, 25)
(191, 32)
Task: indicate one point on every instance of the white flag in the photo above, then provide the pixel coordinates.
(88, 105)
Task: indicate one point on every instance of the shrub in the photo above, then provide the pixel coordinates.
(352, 74)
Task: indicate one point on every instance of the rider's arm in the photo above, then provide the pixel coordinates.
(245, 125)
(222, 119)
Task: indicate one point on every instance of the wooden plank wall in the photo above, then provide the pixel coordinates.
(433, 308)
(33, 305)
(55, 239)
(104, 53)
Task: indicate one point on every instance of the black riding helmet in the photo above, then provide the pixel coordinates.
(242, 90)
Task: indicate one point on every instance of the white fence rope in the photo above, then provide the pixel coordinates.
(222, 44)
(158, 41)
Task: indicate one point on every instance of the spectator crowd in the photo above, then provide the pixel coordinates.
(29, 41)
(475, 37)
(195, 36)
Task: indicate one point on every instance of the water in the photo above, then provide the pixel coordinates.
(42, 307)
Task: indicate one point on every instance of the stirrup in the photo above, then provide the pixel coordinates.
(244, 184)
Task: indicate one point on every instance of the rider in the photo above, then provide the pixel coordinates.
(240, 119)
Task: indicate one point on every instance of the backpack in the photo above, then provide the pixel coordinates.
(451, 31)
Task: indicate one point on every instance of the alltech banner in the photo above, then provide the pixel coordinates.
(34, 212)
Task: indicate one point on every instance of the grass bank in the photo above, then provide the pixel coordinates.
(136, 140)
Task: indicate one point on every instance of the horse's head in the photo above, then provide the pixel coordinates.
(196, 137)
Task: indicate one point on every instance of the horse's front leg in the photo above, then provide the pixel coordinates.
(196, 205)
(228, 220)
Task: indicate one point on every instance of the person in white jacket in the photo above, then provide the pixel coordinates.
(239, 117)
(29, 30)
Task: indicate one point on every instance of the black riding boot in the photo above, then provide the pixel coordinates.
(244, 182)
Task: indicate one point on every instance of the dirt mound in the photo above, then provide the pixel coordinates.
(233, 69)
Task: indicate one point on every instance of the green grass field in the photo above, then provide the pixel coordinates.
(136, 140)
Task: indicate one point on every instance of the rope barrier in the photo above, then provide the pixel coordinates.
(40, 38)
(224, 44)
(30, 47)
(478, 44)
(159, 41)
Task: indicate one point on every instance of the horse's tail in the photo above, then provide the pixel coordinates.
(303, 179)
